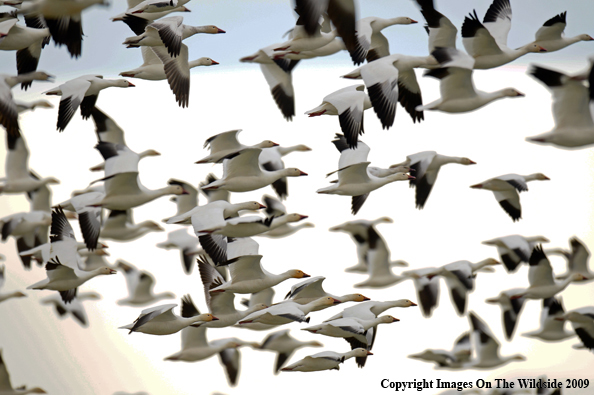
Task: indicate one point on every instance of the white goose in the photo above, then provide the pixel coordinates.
(458, 93)
(81, 92)
(160, 320)
(507, 188)
(327, 360)
(9, 295)
(311, 289)
(140, 286)
(271, 159)
(169, 32)
(351, 328)
(275, 208)
(25, 227)
(242, 173)
(289, 311)
(186, 243)
(455, 358)
(551, 34)
(574, 126)
(253, 225)
(285, 345)
(427, 287)
(510, 309)
(138, 22)
(120, 226)
(226, 143)
(348, 103)
(577, 261)
(372, 44)
(184, 203)
(551, 329)
(6, 386)
(75, 308)
(515, 249)
(426, 167)
(487, 42)
(582, 321)
(442, 32)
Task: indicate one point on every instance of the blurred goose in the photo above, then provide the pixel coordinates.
(352, 329)
(507, 188)
(221, 304)
(378, 263)
(302, 40)
(426, 167)
(28, 229)
(327, 360)
(574, 126)
(427, 287)
(6, 385)
(442, 32)
(184, 203)
(252, 225)
(457, 357)
(75, 308)
(27, 41)
(31, 106)
(90, 218)
(187, 244)
(289, 311)
(311, 289)
(577, 261)
(6, 296)
(120, 226)
(275, 208)
(348, 103)
(213, 195)
(160, 320)
(551, 329)
(486, 346)
(81, 92)
(8, 108)
(226, 143)
(271, 159)
(372, 44)
(540, 276)
(510, 309)
(106, 128)
(487, 42)
(140, 286)
(169, 32)
(551, 34)
(582, 321)
(242, 173)
(138, 21)
(515, 249)
(456, 86)
(284, 345)
(63, 269)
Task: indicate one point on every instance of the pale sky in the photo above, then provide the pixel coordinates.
(41, 350)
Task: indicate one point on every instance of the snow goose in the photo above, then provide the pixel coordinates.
(355, 180)
(486, 346)
(271, 159)
(379, 264)
(277, 73)
(327, 360)
(184, 203)
(106, 128)
(75, 308)
(138, 21)
(169, 32)
(81, 92)
(359, 232)
(8, 108)
(507, 188)
(242, 173)
(155, 6)
(90, 218)
(577, 261)
(458, 93)
(213, 195)
(442, 32)
(18, 177)
(454, 358)
(392, 79)
(348, 103)
(372, 44)
(248, 276)
(303, 40)
(6, 296)
(515, 249)
(160, 320)
(352, 329)
(551, 329)
(487, 42)
(140, 286)
(275, 208)
(289, 311)
(311, 289)
(540, 276)
(31, 106)
(221, 304)
(551, 37)
(6, 386)
(27, 41)
(284, 345)
(226, 143)
(252, 225)
(213, 215)
(63, 269)
(427, 287)
(459, 277)
(426, 167)
(333, 47)
(186, 243)
(510, 310)
(28, 228)
(582, 321)
(120, 226)
(574, 127)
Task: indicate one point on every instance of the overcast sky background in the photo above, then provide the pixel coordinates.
(63, 358)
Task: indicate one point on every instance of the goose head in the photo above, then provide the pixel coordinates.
(121, 83)
(252, 205)
(105, 271)
(175, 190)
(208, 29)
(295, 217)
(511, 92)
(404, 303)
(266, 144)
(42, 76)
(293, 172)
(354, 298)
(360, 352)
(51, 180)
(297, 274)
(302, 147)
(466, 161)
(204, 61)
(204, 318)
(533, 48)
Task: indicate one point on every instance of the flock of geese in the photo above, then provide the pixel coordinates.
(218, 240)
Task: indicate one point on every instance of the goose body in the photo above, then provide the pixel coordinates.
(551, 329)
(140, 286)
(226, 143)
(271, 159)
(582, 321)
(287, 312)
(327, 360)
(350, 327)
(515, 249)
(284, 345)
(119, 226)
(454, 358)
(510, 309)
(551, 34)
(75, 308)
(186, 243)
(311, 289)
(371, 42)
